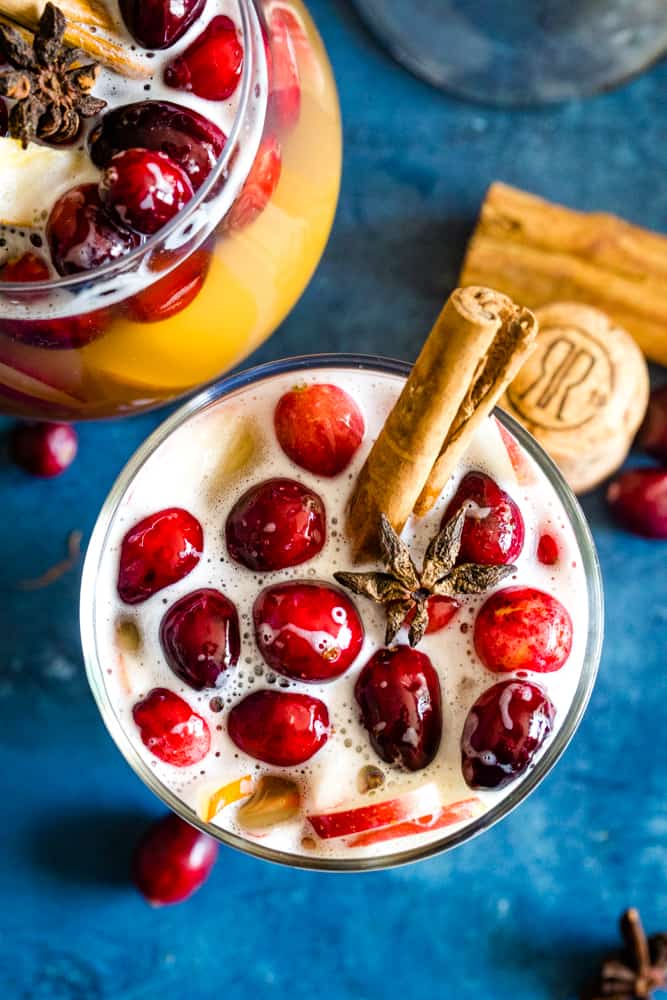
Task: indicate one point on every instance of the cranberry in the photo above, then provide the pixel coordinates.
(193, 141)
(284, 77)
(319, 427)
(159, 550)
(493, 531)
(259, 186)
(211, 66)
(307, 631)
(653, 433)
(157, 24)
(172, 861)
(521, 628)
(200, 638)
(398, 692)
(441, 610)
(54, 334)
(43, 449)
(547, 549)
(276, 524)
(144, 190)
(4, 118)
(170, 729)
(504, 729)
(638, 500)
(82, 236)
(279, 727)
(171, 294)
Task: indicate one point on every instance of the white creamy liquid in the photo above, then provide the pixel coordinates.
(188, 470)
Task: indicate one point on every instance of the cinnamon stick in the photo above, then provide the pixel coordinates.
(28, 12)
(538, 252)
(462, 366)
(108, 51)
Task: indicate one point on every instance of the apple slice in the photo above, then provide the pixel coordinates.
(235, 790)
(445, 816)
(343, 822)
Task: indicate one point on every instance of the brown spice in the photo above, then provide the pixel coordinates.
(636, 972)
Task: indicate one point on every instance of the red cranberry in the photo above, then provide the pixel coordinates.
(521, 628)
(82, 236)
(171, 294)
(398, 692)
(43, 449)
(159, 550)
(307, 631)
(279, 727)
(4, 118)
(319, 427)
(284, 77)
(144, 190)
(504, 729)
(172, 861)
(54, 334)
(638, 500)
(259, 186)
(193, 141)
(170, 729)
(547, 549)
(276, 524)
(211, 66)
(200, 638)
(653, 433)
(157, 24)
(441, 610)
(493, 530)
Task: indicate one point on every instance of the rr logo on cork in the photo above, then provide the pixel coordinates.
(567, 379)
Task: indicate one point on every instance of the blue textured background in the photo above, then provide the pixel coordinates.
(522, 912)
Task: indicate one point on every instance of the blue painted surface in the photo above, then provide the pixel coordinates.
(522, 912)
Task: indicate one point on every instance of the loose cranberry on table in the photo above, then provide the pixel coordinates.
(307, 631)
(494, 530)
(211, 65)
(157, 24)
(279, 727)
(441, 611)
(258, 189)
(522, 628)
(638, 500)
(82, 236)
(156, 552)
(503, 731)
(319, 427)
(64, 333)
(284, 77)
(653, 432)
(43, 449)
(193, 141)
(144, 190)
(276, 524)
(172, 294)
(398, 692)
(172, 860)
(171, 729)
(200, 638)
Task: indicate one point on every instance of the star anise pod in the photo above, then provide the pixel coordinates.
(49, 81)
(637, 971)
(404, 589)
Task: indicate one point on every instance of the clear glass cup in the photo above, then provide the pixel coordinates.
(521, 52)
(201, 293)
(95, 666)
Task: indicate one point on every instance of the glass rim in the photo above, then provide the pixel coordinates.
(448, 841)
(75, 281)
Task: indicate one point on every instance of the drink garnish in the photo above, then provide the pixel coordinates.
(404, 589)
(49, 81)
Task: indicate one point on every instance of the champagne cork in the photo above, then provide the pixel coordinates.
(582, 393)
